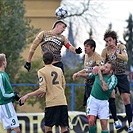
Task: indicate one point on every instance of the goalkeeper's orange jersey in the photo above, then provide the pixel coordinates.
(50, 42)
(120, 58)
(52, 81)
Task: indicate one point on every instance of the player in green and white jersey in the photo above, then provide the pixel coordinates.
(8, 115)
(97, 103)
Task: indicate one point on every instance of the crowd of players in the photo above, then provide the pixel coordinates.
(103, 74)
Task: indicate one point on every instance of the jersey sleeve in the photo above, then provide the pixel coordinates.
(42, 81)
(5, 94)
(37, 41)
(67, 44)
(91, 76)
(99, 61)
(112, 82)
(123, 53)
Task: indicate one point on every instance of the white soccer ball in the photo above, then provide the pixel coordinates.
(61, 13)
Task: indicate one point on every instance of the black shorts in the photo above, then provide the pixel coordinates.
(56, 115)
(86, 94)
(123, 84)
(60, 65)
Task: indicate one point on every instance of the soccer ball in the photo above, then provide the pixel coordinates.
(61, 13)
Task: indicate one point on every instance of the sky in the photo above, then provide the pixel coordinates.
(113, 11)
(116, 12)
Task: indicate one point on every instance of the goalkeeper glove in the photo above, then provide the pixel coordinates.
(78, 50)
(27, 65)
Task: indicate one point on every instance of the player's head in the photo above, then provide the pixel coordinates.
(48, 58)
(91, 43)
(58, 22)
(3, 60)
(110, 37)
(109, 68)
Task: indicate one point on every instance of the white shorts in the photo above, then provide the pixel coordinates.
(8, 116)
(98, 107)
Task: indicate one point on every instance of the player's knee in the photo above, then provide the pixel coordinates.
(91, 123)
(91, 120)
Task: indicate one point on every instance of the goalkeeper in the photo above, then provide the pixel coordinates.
(52, 41)
(8, 115)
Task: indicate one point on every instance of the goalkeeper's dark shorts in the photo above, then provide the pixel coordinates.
(87, 93)
(56, 115)
(123, 84)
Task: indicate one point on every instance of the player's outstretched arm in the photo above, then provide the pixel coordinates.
(75, 50)
(82, 74)
(75, 76)
(34, 93)
(104, 85)
(27, 64)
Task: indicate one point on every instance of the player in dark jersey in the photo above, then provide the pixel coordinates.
(117, 53)
(92, 59)
(52, 41)
(52, 84)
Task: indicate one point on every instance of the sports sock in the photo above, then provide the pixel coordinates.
(92, 129)
(13, 132)
(66, 132)
(49, 132)
(128, 113)
(112, 108)
(104, 131)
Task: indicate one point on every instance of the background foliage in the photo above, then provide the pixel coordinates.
(16, 32)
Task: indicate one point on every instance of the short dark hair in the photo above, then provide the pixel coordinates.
(48, 58)
(112, 65)
(59, 21)
(91, 43)
(112, 34)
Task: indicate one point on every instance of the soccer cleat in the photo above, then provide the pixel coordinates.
(130, 129)
(117, 124)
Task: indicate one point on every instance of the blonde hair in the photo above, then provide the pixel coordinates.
(2, 58)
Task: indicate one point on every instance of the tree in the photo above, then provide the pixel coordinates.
(128, 37)
(84, 15)
(15, 33)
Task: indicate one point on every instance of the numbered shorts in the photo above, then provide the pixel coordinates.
(98, 108)
(8, 116)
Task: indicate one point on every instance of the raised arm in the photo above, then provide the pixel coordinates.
(33, 47)
(97, 70)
